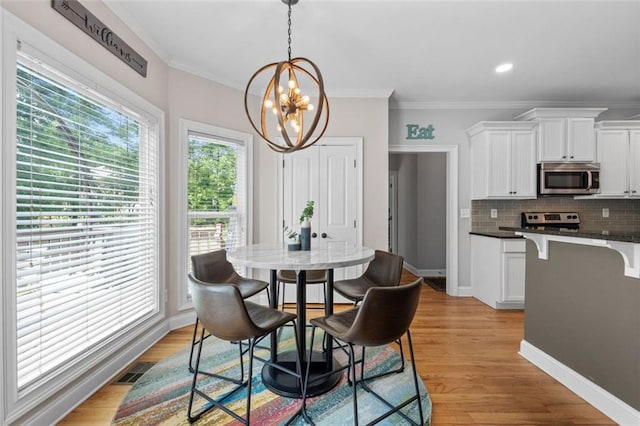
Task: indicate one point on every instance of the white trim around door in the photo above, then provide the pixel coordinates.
(452, 205)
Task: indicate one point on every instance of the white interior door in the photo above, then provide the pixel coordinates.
(327, 174)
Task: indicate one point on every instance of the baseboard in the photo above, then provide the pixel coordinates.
(425, 272)
(509, 305)
(619, 411)
(465, 292)
(182, 320)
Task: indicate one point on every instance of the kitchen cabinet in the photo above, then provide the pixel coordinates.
(566, 139)
(498, 271)
(619, 158)
(503, 162)
(564, 134)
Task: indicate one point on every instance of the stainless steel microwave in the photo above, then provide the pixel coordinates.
(568, 178)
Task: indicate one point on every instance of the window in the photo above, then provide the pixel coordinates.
(218, 189)
(86, 220)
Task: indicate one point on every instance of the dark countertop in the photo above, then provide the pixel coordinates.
(627, 237)
(496, 234)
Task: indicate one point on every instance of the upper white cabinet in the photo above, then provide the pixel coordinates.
(503, 162)
(619, 157)
(564, 134)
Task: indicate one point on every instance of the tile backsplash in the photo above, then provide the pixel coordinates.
(624, 214)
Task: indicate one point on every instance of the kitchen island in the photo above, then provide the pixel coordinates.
(582, 315)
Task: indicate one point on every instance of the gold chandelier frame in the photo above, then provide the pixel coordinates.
(288, 106)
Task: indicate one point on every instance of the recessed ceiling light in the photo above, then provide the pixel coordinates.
(504, 67)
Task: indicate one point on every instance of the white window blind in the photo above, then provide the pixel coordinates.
(86, 219)
(216, 193)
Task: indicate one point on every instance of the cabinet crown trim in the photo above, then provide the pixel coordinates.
(618, 125)
(500, 125)
(534, 113)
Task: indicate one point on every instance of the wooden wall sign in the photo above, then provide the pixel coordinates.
(414, 131)
(87, 22)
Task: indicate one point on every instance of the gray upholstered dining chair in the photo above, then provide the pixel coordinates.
(226, 315)
(286, 276)
(385, 270)
(214, 268)
(384, 316)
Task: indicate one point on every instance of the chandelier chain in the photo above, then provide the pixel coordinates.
(289, 32)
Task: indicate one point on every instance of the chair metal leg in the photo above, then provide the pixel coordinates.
(397, 408)
(305, 383)
(415, 378)
(352, 368)
(386, 373)
(251, 347)
(193, 344)
(218, 403)
(213, 403)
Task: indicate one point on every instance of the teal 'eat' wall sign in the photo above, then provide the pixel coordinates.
(414, 131)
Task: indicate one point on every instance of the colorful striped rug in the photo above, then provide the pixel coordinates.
(161, 395)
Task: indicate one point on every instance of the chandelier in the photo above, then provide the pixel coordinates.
(286, 109)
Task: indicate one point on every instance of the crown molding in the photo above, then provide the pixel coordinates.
(207, 76)
(510, 104)
(372, 93)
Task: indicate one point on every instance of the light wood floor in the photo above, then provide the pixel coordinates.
(467, 356)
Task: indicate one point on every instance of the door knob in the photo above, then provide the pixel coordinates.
(314, 235)
(324, 235)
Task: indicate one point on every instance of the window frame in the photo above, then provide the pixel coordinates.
(46, 398)
(185, 127)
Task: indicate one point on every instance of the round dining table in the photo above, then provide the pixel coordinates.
(325, 255)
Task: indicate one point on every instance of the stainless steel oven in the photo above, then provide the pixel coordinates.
(568, 178)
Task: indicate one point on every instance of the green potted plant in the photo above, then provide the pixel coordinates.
(307, 212)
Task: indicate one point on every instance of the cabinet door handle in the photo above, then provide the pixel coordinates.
(323, 235)
(626, 192)
(564, 156)
(571, 156)
(314, 235)
(633, 192)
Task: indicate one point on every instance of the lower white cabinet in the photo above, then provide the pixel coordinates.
(498, 271)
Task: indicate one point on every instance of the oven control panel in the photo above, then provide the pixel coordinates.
(550, 218)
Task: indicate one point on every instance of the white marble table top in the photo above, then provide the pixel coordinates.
(329, 255)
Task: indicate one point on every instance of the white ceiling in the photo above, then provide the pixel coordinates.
(423, 51)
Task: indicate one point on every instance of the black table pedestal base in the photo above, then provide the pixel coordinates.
(286, 385)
